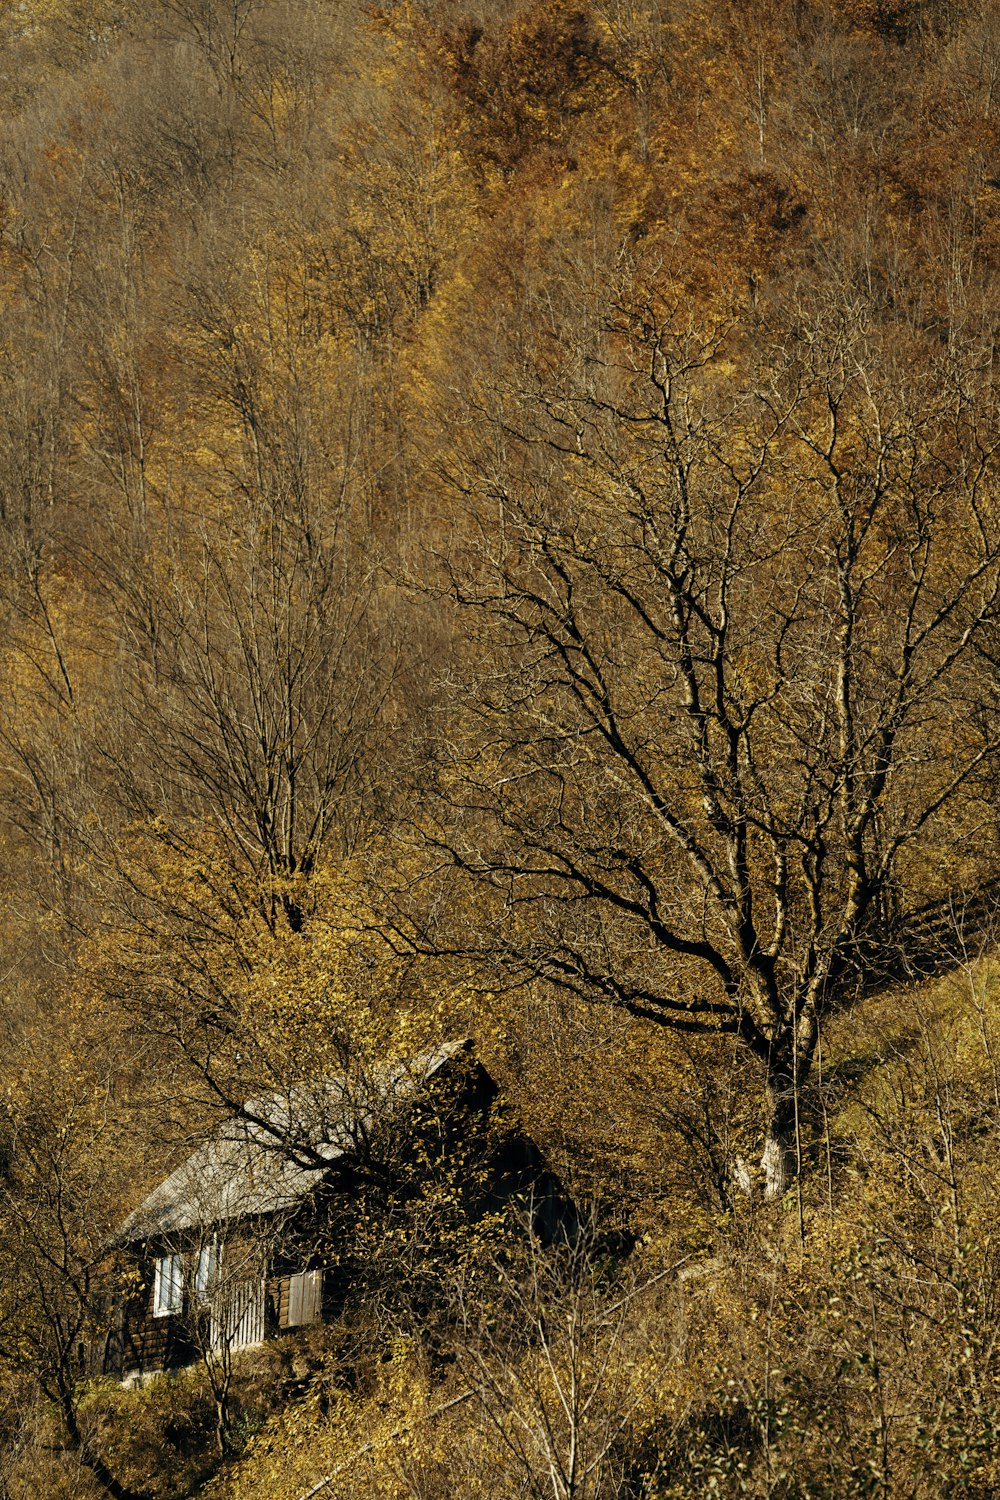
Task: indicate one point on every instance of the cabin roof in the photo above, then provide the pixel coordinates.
(269, 1157)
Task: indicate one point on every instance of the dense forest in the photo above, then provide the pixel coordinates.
(500, 538)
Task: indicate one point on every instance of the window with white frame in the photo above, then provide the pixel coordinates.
(205, 1271)
(168, 1285)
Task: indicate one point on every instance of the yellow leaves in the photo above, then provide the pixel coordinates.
(359, 1442)
(286, 1002)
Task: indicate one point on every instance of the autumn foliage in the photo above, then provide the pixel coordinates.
(499, 536)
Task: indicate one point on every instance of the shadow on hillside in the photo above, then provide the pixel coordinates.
(845, 1078)
(920, 945)
(929, 940)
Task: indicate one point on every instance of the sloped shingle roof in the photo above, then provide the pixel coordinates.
(269, 1158)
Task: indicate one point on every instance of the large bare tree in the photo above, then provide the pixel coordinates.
(722, 605)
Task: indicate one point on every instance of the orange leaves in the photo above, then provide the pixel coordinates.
(890, 20)
(524, 85)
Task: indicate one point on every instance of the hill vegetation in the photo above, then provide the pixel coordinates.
(499, 535)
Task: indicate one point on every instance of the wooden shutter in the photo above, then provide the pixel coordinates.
(305, 1298)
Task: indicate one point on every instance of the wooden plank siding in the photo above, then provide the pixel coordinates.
(238, 1317)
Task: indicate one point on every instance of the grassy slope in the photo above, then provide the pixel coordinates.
(844, 1338)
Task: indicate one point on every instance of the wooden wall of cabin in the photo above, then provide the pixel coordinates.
(137, 1342)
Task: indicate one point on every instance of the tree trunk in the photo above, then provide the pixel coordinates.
(779, 1159)
(787, 1070)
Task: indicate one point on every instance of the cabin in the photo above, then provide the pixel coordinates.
(254, 1235)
